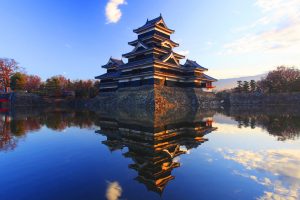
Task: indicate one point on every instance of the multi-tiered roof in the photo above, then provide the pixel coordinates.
(153, 61)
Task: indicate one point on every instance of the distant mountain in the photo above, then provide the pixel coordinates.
(223, 84)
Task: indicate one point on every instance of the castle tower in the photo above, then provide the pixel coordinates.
(153, 61)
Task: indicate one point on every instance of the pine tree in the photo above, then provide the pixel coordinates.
(239, 87)
(246, 86)
(253, 86)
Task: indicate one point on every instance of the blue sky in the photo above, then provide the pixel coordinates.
(75, 37)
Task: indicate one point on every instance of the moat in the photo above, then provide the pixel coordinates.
(225, 154)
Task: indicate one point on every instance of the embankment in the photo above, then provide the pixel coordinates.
(22, 99)
(154, 99)
(256, 99)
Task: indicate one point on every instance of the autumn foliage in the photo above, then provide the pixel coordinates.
(282, 79)
(56, 86)
(7, 68)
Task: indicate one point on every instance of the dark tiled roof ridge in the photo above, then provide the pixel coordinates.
(117, 61)
(194, 64)
(209, 77)
(150, 23)
(137, 62)
(108, 75)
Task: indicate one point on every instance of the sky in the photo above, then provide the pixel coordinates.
(75, 38)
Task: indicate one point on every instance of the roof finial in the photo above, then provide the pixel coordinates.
(160, 15)
(147, 20)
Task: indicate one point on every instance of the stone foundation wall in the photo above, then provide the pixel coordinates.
(183, 98)
(22, 99)
(150, 100)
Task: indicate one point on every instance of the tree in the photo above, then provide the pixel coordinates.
(295, 86)
(239, 87)
(33, 83)
(94, 91)
(246, 86)
(63, 82)
(280, 80)
(18, 81)
(52, 87)
(84, 89)
(252, 86)
(7, 68)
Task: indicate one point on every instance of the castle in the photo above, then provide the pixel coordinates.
(153, 62)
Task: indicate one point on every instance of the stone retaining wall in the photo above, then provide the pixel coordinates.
(154, 100)
(264, 99)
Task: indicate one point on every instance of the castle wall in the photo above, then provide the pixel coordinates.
(154, 99)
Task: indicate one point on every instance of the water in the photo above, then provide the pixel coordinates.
(233, 154)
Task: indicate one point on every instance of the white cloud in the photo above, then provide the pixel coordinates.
(282, 164)
(112, 10)
(114, 191)
(277, 30)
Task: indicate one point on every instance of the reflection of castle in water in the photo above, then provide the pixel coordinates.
(154, 149)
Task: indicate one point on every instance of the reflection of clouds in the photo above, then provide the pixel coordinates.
(183, 148)
(114, 191)
(282, 164)
(176, 159)
(234, 129)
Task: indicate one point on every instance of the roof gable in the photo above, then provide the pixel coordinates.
(138, 46)
(161, 23)
(170, 58)
(156, 22)
(112, 62)
(167, 43)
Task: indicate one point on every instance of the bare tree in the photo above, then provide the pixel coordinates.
(280, 80)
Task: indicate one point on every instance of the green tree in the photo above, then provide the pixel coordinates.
(252, 86)
(239, 87)
(53, 87)
(18, 81)
(246, 86)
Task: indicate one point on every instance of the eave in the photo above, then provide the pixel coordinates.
(153, 49)
(151, 27)
(154, 36)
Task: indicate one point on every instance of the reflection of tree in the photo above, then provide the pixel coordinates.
(19, 124)
(7, 141)
(60, 120)
(17, 127)
(55, 121)
(154, 150)
(283, 125)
